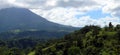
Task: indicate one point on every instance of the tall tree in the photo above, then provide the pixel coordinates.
(110, 26)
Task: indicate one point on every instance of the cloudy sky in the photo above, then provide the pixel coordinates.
(77, 13)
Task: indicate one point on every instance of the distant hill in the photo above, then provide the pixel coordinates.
(23, 19)
(17, 34)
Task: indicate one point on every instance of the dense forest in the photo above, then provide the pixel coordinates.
(89, 40)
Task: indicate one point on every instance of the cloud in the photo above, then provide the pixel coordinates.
(4, 4)
(51, 4)
(76, 3)
(72, 12)
(68, 17)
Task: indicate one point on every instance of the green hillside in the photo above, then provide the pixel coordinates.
(89, 40)
(33, 34)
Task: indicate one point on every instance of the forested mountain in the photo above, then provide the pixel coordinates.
(20, 18)
(89, 40)
(43, 34)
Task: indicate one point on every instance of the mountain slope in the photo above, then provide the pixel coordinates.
(89, 40)
(23, 19)
(32, 34)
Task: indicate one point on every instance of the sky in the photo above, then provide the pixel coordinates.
(76, 13)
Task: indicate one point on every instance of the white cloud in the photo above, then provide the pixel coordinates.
(65, 11)
(51, 3)
(4, 4)
(60, 15)
(68, 17)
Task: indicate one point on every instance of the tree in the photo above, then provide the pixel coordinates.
(110, 26)
(117, 27)
(106, 28)
(4, 50)
(16, 51)
(38, 50)
(74, 51)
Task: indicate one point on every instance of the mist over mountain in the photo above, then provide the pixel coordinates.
(20, 18)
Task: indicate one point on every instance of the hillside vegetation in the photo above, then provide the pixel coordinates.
(89, 40)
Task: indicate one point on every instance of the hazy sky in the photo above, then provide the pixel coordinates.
(76, 13)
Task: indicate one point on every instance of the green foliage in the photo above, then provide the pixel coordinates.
(4, 50)
(16, 51)
(74, 51)
(90, 40)
(38, 50)
(32, 53)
